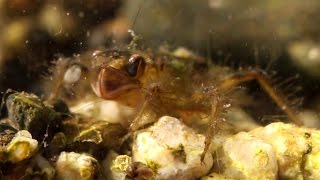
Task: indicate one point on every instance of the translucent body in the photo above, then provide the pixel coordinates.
(179, 84)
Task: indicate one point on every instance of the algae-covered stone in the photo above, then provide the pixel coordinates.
(6, 132)
(291, 145)
(312, 158)
(90, 135)
(71, 165)
(103, 133)
(297, 149)
(27, 112)
(119, 166)
(21, 147)
(172, 150)
(247, 157)
(276, 151)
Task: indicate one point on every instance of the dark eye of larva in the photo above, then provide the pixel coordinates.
(135, 66)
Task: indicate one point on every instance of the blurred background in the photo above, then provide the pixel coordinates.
(284, 34)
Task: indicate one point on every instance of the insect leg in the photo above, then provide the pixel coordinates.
(137, 122)
(261, 77)
(215, 119)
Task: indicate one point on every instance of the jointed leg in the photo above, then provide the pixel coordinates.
(215, 119)
(236, 79)
(140, 119)
(262, 79)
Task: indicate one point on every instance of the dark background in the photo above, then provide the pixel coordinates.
(33, 33)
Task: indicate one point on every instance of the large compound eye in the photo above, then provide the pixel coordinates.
(135, 66)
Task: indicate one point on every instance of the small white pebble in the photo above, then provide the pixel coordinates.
(247, 157)
(290, 144)
(71, 165)
(21, 147)
(172, 150)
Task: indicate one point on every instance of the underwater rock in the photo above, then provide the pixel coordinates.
(27, 112)
(296, 149)
(102, 134)
(71, 165)
(172, 150)
(21, 147)
(115, 165)
(278, 150)
(248, 157)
